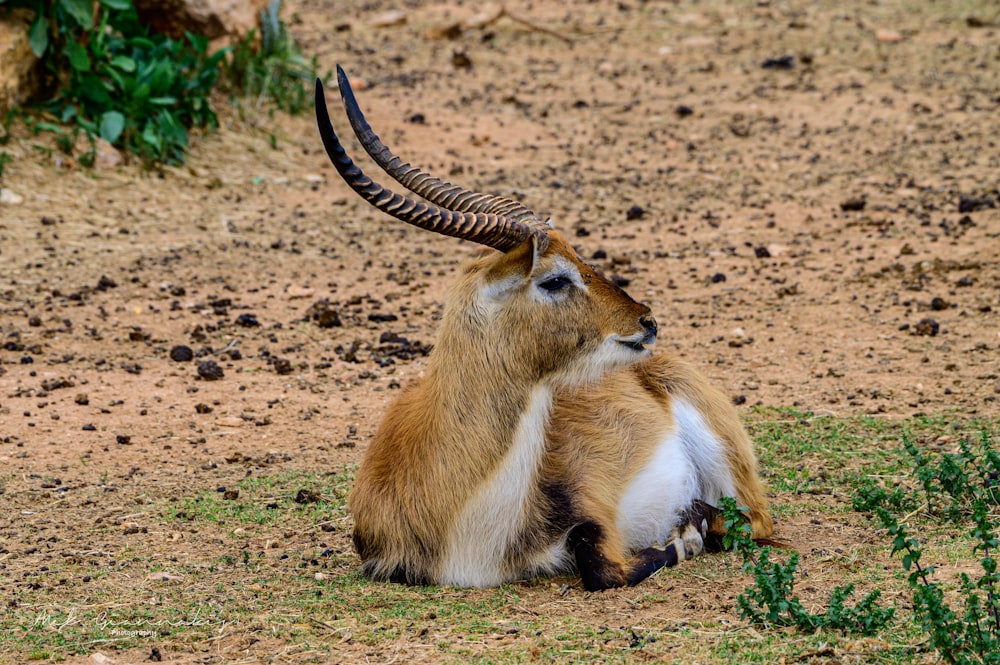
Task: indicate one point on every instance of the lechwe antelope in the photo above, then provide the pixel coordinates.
(544, 433)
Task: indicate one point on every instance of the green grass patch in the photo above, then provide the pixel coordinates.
(294, 498)
(262, 564)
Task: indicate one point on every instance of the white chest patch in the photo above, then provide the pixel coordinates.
(689, 463)
(478, 541)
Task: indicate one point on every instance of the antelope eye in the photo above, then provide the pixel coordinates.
(555, 283)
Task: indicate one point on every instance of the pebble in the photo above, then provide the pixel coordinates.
(210, 370)
(9, 197)
(853, 204)
(181, 353)
(389, 19)
(635, 212)
(887, 36)
(107, 156)
(230, 421)
(927, 327)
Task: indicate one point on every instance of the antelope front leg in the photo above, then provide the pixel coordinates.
(601, 569)
(687, 540)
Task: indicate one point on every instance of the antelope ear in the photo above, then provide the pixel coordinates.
(530, 253)
(539, 243)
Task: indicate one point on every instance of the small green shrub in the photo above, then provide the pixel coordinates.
(143, 92)
(771, 600)
(272, 70)
(957, 487)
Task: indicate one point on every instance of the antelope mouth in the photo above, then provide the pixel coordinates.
(638, 342)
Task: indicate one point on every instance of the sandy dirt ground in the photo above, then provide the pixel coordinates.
(806, 195)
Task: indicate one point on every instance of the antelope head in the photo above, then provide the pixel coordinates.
(534, 303)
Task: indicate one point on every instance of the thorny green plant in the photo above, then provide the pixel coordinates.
(771, 600)
(961, 487)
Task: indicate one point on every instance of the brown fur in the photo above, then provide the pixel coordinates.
(448, 434)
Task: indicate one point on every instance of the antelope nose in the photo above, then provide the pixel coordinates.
(648, 324)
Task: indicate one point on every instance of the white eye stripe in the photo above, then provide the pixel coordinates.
(562, 270)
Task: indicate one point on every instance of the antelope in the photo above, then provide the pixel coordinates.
(544, 435)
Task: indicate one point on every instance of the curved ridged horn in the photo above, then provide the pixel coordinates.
(423, 184)
(490, 229)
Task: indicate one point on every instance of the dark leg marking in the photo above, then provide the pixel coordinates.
(596, 572)
(686, 541)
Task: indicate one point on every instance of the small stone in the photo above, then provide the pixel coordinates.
(307, 496)
(389, 19)
(718, 277)
(231, 494)
(230, 421)
(107, 156)
(82, 399)
(762, 252)
(202, 408)
(460, 59)
(105, 283)
(210, 370)
(780, 62)
(247, 320)
(683, 111)
(181, 353)
(635, 212)
(939, 304)
(927, 327)
(887, 36)
(854, 203)
(123, 440)
(8, 197)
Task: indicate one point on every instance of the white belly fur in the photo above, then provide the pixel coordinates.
(688, 464)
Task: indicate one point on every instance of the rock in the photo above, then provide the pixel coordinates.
(294, 291)
(460, 59)
(779, 62)
(107, 156)
(209, 370)
(181, 354)
(388, 19)
(211, 18)
(635, 212)
(887, 36)
(304, 496)
(17, 61)
(854, 203)
(8, 197)
(230, 421)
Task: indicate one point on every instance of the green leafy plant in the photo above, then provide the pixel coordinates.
(771, 600)
(957, 487)
(112, 78)
(271, 68)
